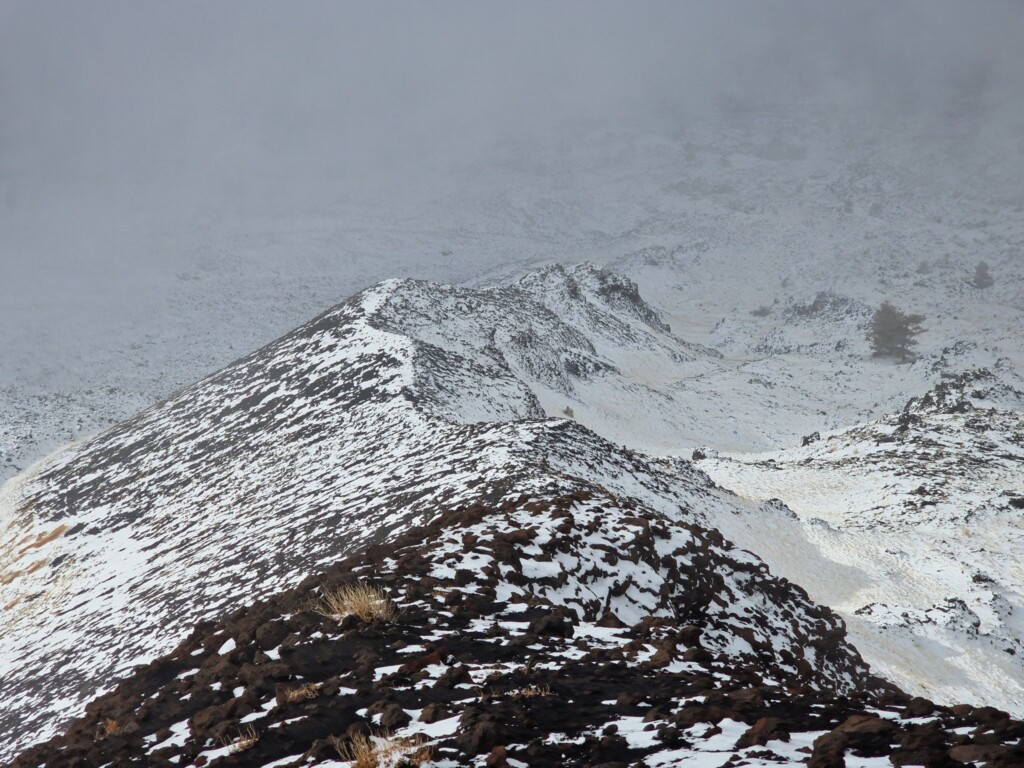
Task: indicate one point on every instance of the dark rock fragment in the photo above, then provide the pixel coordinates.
(610, 621)
(764, 730)
(918, 707)
(828, 751)
(497, 758)
(271, 634)
(432, 713)
(482, 737)
(554, 623)
(976, 753)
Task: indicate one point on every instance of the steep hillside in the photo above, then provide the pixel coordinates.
(548, 631)
(910, 528)
(338, 435)
(414, 399)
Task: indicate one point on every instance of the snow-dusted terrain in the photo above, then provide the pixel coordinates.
(713, 216)
(352, 427)
(910, 527)
(570, 630)
(759, 262)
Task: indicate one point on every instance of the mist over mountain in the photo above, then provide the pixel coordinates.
(148, 151)
(552, 330)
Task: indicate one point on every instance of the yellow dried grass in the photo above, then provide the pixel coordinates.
(302, 692)
(247, 738)
(364, 601)
(383, 750)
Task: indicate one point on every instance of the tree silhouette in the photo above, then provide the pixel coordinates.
(982, 277)
(892, 332)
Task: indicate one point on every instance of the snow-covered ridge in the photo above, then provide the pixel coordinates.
(336, 436)
(510, 641)
(414, 396)
(578, 337)
(539, 621)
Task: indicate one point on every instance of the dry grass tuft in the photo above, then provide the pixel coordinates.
(108, 727)
(532, 691)
(302, 692)
(384, 750)
(361, 600)
(359, 750)
(247, 738)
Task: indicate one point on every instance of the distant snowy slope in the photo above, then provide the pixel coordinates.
(911, 528)
(796, 356)
(578, 337)
(712, 216)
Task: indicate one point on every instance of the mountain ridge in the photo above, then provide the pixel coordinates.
(407, 399)
(330, 427)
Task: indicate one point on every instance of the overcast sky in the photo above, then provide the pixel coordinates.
(132, 92)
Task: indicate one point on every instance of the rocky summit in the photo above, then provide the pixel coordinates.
(575, 630)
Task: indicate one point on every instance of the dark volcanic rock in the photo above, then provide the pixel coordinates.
(352, 427)
(539, 674)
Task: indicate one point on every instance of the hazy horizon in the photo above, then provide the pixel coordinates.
(194, 176)
(170, 107)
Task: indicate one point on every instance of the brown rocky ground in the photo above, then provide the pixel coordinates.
(573, 631)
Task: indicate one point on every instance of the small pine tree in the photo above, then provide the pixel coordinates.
(982, 277)
(892, 332)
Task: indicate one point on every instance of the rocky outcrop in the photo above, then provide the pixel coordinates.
(569, 631)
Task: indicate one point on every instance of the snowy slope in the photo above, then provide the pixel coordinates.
(566, 631)
(578, 337)
(910, 528)
(815, 228)
(713, 215)
(337, 436)
(413, 394)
